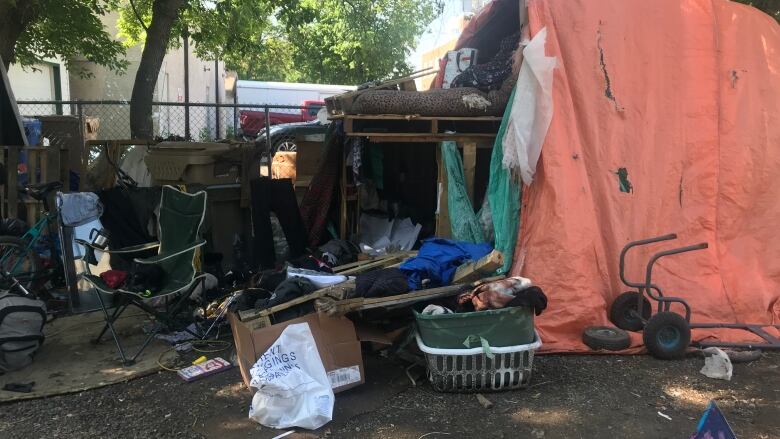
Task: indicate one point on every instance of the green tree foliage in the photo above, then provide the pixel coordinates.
(31, 30)
(326, 41)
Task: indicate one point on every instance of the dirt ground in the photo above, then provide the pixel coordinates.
(569, 397)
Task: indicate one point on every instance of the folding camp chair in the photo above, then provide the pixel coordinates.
(180, 220)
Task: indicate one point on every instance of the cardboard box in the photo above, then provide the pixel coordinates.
(336, 340)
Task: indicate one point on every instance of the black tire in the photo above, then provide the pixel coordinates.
(13, 249)
(667, 336)
(622, 313)
(606, 337)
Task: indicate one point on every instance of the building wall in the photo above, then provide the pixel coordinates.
(39, 83)
(107, 85)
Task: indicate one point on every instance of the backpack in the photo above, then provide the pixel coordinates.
(21, 330)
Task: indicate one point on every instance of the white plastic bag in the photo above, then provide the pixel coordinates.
(293, 389)
(717, 364)
(532, 110)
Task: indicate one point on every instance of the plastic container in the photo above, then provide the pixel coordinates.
(190, 162)
(472, 370)
(32, 129)
(511, 326)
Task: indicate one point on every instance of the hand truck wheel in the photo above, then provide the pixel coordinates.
(623, 314)
(667, 335)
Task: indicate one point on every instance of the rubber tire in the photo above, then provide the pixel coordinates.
(662, 325)
(619, 311)
(35, 262)
(606, 337)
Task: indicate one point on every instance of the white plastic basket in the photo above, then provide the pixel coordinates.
(471, 370)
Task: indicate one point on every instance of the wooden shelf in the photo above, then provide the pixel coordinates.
(416, 128)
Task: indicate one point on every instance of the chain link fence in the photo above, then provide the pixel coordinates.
(176, 120)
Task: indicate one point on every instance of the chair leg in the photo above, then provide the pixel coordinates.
(166, 318)
(110, 325)
(117, 312)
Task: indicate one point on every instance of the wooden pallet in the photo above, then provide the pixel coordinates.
(415, 128)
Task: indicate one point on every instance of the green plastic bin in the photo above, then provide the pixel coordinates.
(499, 327)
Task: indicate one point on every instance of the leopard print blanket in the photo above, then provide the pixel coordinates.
(463, 101)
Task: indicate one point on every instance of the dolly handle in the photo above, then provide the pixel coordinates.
(635, 244)
(674, 251)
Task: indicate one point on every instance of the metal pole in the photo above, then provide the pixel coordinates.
(186, 46)
(268, 139)
(216, 95)
(235, 109)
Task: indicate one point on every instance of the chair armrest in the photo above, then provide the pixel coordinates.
(125, 250)
(170, 254)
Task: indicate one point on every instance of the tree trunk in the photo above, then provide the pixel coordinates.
(164, 15)
(14, 19)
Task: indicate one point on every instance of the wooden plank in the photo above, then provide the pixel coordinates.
(334, 307)
(428, 139)
(418, 117)
(469, 167)
(485, 266)
(341, 268)
(348, 125)
(443, 228)
(12, 182)
(343, 201)
(64, 170)
(441, 136)
(337, 290)
(371, 265)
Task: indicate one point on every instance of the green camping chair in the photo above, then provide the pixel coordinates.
(181, 217)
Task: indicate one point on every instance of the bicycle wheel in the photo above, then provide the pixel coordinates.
(18, 261)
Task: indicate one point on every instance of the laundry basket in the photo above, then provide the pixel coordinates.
(472, 370)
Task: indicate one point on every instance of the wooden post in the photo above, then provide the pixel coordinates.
(13, 179)
(443, 228)
(343, 207)
(63, 166)
(469, 167)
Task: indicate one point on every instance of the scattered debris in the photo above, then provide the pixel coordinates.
(717, 364)
(743, 356)
(484, 401)
(665, 416)
(433, 432)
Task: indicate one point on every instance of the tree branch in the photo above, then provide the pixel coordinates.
(138, 16)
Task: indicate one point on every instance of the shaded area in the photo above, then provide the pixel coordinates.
(570, 396)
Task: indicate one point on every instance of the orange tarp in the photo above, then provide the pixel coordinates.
(685, 95)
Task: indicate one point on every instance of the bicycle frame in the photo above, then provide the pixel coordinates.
(32, 237)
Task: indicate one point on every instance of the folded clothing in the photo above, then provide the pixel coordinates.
(381, 283)
(437, 260)
(512, 291)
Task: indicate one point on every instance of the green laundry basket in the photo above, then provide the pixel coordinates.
(499, 327)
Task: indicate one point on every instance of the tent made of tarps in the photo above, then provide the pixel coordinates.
(666, 119)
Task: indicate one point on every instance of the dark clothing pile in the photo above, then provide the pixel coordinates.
(288, 290)
(504, 293)
(437, 260)
(380, 283)
(277, 196)
(490, 75)
(339, 252)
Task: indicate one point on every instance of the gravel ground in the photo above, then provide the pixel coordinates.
(569, 397)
